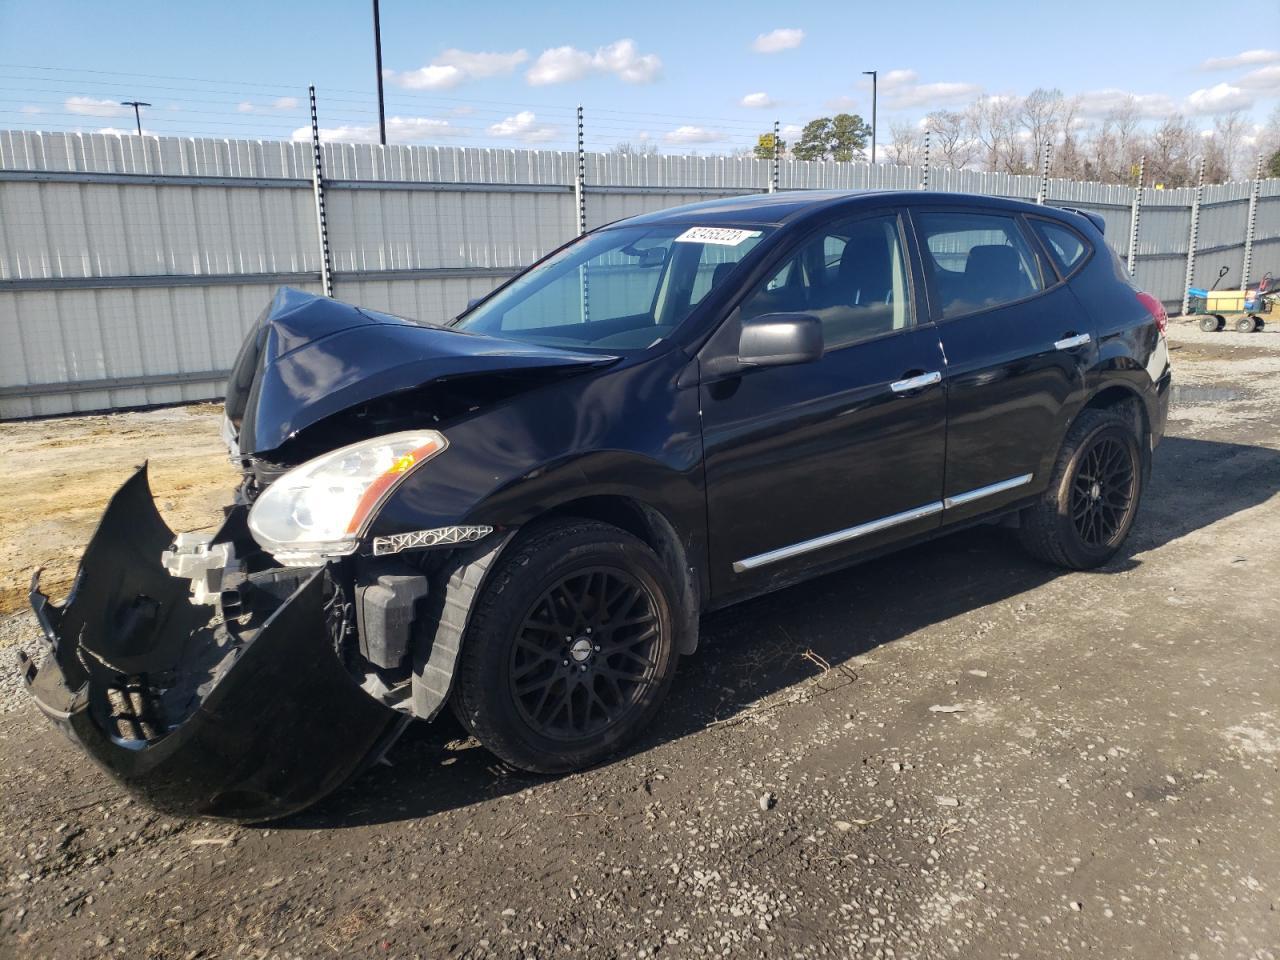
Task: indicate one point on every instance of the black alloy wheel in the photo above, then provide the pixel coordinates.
(1091, 501)
(586, 654)
(1103, 492)
(571, 647)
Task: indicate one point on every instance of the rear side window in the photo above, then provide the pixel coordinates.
(977, 261)
(1066, 246)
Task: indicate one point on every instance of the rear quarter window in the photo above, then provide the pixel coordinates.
(1067, 248)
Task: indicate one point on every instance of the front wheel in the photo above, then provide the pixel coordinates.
(570, 650)
(1246, 324)
(1086, 513)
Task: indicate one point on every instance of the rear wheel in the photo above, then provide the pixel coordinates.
(1084, 516)
(1246, 324)
(570, 651)
(1209, 324)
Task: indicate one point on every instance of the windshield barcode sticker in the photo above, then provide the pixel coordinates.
(721, 236)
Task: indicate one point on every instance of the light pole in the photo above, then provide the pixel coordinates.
(136, 115)
(872, 75)
(377, 55)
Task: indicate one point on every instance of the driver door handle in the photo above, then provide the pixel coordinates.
(918, 382)
(1072, 341)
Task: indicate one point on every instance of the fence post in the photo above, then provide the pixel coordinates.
(580, 181)
(1043, 192)
(1135, 215)
(1251, 225)
(317, 188)
(924, 173)
(1193, 240)
(773, 173)
(580, 198)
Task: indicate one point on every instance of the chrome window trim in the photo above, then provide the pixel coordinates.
(875, 526)
(993, 488)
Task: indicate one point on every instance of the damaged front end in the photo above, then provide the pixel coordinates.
(248, 674)
(235, 708)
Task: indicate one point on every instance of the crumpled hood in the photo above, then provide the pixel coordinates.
(309, 357)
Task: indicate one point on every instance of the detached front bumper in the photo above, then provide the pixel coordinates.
(247, 721)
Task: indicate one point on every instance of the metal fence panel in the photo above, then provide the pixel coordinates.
(130, 267)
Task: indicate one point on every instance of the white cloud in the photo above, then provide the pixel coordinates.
(454, 66)
(758, 100)
(903, 91)
(842, 104)
(31, 108)
(621, 58)
(244, 106)
(689, 134)
(285, 103)
(430, 77)
(784, 38)
(399, 130)
(790, 130)
(133, 132)
(482, 64)
(93, 107)
(1266, 79)
(523, 126)
(1219, 98)
(1246, 58)
(1098, 103)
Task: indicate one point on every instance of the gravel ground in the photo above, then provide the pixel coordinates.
(948, 752)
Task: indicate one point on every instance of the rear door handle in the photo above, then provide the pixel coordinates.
(916, 382)
(1071, 342)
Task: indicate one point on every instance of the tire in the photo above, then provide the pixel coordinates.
(1084, 516)
(1246, 325)
(1209, 324)
(1222, 321)
(570, 650)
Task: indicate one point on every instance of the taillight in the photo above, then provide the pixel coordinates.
(1157, 311)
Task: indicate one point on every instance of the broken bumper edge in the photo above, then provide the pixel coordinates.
(192, 720)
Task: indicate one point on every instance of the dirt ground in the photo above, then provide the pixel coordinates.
(949, 752)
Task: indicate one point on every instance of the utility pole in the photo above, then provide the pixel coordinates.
(872, 74)
(136, 115)
(377, 56)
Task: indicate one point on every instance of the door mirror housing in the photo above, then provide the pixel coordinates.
(779, 339)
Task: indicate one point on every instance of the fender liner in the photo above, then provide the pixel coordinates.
(439, 640)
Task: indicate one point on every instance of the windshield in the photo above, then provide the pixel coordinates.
(616, 290)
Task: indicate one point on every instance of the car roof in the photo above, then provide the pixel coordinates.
(785, 207)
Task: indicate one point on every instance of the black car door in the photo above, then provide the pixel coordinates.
(1017, 344)
(809, 463)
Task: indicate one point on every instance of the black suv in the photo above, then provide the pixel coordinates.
(524, 512)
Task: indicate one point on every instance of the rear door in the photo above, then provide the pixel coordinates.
(809, 463)
(1017, 344)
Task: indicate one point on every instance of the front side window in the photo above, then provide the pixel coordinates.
(615, 290)
(851, 276)
(977, 261)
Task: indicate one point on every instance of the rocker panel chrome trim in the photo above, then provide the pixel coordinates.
(875, 526)
(990, 490)
(839, 536)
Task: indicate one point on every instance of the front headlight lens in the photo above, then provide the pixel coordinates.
(320, 509)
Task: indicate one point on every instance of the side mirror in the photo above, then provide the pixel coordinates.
(777, 339)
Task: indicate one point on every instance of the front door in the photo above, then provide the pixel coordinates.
(810, 463)
(1017, 344)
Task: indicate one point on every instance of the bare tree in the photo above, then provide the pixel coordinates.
(1040, 117)
(952, 141)
(994, 123)
(1171, 152)
(906, 143)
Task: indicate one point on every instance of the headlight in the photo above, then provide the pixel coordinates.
(321, 508)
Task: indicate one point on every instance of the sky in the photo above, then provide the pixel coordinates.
(704, 77)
